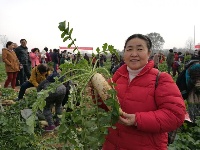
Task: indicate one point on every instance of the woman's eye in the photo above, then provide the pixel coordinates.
(140, 49)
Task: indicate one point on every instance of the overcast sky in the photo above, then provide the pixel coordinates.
(98, 21)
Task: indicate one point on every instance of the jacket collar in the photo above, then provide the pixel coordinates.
(23, 47)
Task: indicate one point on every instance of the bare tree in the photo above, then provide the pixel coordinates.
(182, 50)
(3, 40)
(189, 44)
(157, 41)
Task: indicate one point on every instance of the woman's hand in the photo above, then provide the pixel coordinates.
(127, 119)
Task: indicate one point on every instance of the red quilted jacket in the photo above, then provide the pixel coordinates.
(158, 110)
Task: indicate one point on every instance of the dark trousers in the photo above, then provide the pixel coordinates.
(50, 101)
(177, 69)
(169, 68)
(11, 78)
(55, 67)
(24, 74)
(23, 88)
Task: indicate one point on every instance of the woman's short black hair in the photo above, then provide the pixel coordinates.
(8, 44)
(42, 68)
(140, 36)
(34, 49)
(46, 49)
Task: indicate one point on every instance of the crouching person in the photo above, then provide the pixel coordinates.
(38, 74)
(54, 99)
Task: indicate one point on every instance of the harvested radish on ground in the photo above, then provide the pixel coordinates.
(8, 102)
(43, 123)
(102, 87)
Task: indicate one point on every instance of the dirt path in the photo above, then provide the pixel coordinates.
(2, 84)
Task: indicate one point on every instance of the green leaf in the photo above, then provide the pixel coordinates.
(70, 32)
(66, 38)
(30, 122)
(110, 47)
(63, 34)
(105, 45)
(67, 30)
(69, 45)
(62, 26)
(105, 52)
(42, 104)
(68, 24)
(98, 50)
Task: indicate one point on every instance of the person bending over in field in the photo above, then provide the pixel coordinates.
(38, 74)
(56, 99)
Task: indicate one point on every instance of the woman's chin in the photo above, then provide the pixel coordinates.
(134, 67)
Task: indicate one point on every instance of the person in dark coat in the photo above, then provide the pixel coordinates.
(23, 57)
(192, 80)
(117, 67)
(55, 59)
(48, 57)
(56, 99)
(170, 60)
(87, 58)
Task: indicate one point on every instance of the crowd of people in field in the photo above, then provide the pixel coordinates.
(151, 101)
(175, 60)
(31, 69)
(24, 61)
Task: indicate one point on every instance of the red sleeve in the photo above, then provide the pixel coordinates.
(171, 108)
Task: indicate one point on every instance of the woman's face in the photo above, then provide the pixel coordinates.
(136, 53)
(11, 46)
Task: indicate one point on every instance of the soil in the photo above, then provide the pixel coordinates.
(9, 86)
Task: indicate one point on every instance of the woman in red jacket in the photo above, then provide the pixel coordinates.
(149, 111)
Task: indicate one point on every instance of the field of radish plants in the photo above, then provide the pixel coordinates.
(84, 127)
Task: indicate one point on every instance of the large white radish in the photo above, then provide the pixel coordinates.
(102, 87)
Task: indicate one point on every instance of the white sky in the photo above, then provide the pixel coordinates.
(98, 21)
